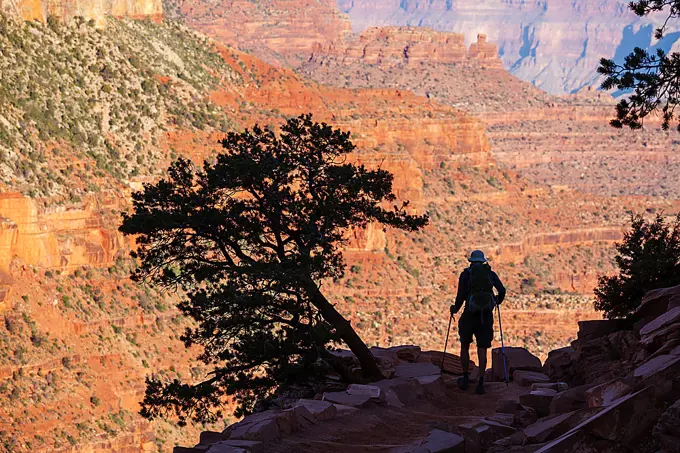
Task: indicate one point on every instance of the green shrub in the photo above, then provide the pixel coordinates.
(648, 258)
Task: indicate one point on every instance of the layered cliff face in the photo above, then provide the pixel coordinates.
(564, 142)
(281, 32)
(555, 44)
(394, 46)
(96, 10)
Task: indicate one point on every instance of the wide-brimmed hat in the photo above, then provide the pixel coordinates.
(477, 256)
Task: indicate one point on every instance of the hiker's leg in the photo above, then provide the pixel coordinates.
(465, 357)
(481, 357)
(464, 380)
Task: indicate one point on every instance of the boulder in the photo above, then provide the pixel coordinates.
(443, 442)
(210, 437)
(452, 363)
(557, 386)
(502, 418)
(538, 400)
(345, 410)
(667, 429)
(655, 303)
(659, 372)
(549, 428)
(237, 446)
(526, 378)
(558, 363)
(400, 392)
(591, 329)
(262, 427)
(199, 449)
(412, 370)
(372, 391)
(516, 359)
(666, 319)
(507, 406)
(574, 442)
(320, 410)
(569, 400)
(626, 419)
(345, 399)
(605, 394)
(433, 386)
(409, 353)
(525, 416)
(480, 435)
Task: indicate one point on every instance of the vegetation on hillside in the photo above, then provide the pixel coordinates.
(648, 258)
(81, 107)
(251, 238)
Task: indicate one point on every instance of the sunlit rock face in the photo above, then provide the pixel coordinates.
(88, 9)
(555, 44)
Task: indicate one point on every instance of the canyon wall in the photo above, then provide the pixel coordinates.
(555, 44)
(88, 9)
(408, 46)
(282, 32)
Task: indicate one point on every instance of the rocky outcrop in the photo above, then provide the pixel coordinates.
(281, 32)
(406, 46)
(88, 9)
(554, 44)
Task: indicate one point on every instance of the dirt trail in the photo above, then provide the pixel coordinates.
(366, 430)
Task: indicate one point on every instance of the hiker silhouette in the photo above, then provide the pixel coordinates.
(475, 291)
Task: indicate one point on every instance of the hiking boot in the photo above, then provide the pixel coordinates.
(480, 388)
(463, 382)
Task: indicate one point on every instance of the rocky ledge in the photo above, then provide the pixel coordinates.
(616, 388)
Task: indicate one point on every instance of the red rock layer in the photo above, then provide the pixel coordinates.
(409, 46)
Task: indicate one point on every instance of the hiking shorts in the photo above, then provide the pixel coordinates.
(479, 325)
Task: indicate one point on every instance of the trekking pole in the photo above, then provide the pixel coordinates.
(448, 329)
(505, 365)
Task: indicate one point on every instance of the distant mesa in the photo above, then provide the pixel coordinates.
(91, 9)
(391, 46)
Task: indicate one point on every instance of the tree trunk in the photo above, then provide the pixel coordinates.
(369, 366)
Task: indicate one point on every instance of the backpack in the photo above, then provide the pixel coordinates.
(481, 289)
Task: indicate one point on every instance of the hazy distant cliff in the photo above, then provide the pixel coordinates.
(555, 44)
(89, 9)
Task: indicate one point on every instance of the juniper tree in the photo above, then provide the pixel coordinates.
(653, 78)
(248, 239)
(648, 258)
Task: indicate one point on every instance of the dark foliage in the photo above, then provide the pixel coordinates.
(654, 79)
(247, 238)
(648, 258)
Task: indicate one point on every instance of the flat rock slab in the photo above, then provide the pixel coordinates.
(412, 370)
(527, 378)
(433, 386)
(668, 318)
(371, 391)
(557, 386)
(401, 392)
(345, 399)
(539, 400)
(452, 364)
(320, 410)
(260, 427)
(550, 428)
(570, 400)
(626, 419)
(605, 394)
(502, 418)
(443, 442)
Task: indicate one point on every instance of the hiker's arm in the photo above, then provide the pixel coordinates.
(499, 287)
(462, 293)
